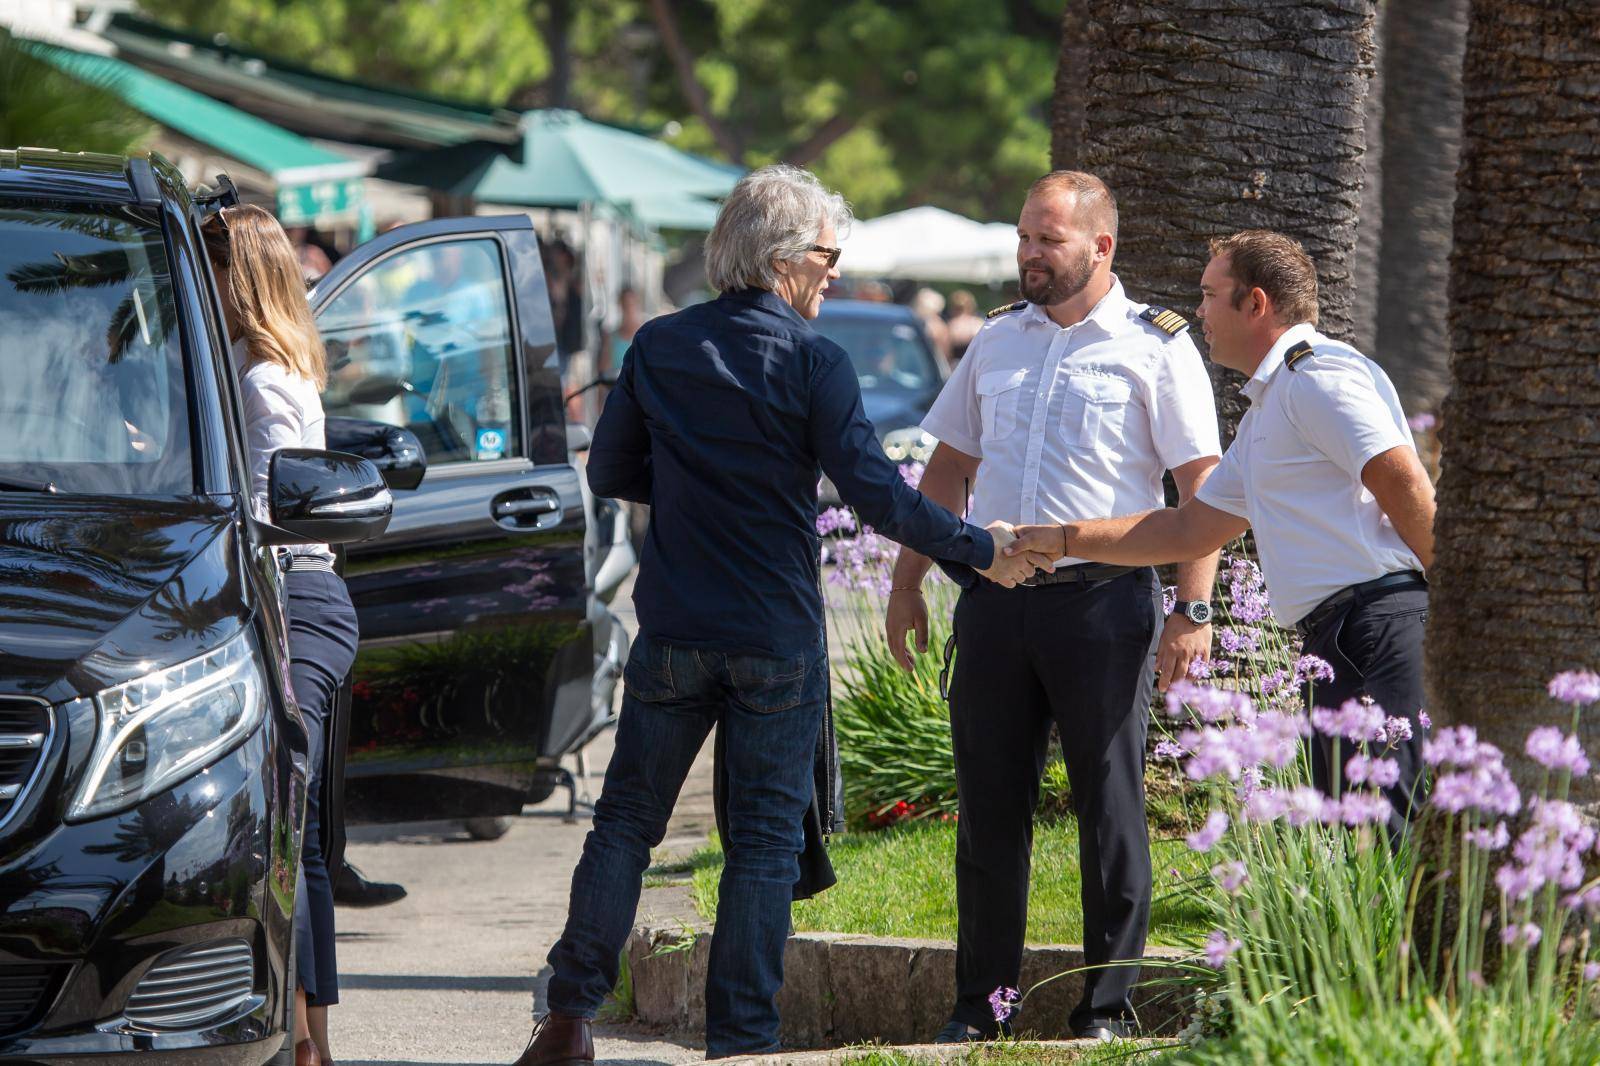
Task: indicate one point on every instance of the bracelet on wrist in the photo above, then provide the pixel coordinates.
(905, 588)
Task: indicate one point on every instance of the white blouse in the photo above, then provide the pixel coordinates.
(281, 410)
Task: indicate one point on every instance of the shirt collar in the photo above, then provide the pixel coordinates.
(1257, 384)
(768, 301)
(1110, 311)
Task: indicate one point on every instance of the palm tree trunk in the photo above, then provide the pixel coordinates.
(1209, 116)
(1423, 44)
(1068, 102)
(1517, 583)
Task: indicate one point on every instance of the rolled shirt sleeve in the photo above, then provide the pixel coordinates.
(1182, 407)
(1340, 410)
(846, 444)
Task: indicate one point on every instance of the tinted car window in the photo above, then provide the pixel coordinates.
(423, 340)
(94, 398)
(887, 354)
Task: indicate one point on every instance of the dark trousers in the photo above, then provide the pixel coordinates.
(1082, 657)
(1375, 649)
(770, 712)
(322, 646)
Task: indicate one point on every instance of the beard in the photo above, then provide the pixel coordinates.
(1057, 287)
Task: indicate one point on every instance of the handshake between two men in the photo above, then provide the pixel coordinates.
(1015, 562)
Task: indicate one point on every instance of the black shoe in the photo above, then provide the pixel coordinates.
(1103, 1031)
(956, 1031)
(353, 890)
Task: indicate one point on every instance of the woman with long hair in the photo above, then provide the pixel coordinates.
(282, 366)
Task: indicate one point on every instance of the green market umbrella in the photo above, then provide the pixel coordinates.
(569, 162)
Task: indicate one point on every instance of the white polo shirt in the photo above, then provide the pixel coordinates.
(1079, 422)
(1294, 471)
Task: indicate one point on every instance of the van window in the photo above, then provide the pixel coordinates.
(423, 340)
(94, 398)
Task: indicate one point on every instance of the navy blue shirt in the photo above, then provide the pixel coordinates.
(724, 417)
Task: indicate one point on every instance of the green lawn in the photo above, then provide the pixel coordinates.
(1006, 1054)
(901, 883)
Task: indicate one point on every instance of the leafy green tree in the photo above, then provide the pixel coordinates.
(42, 107)
(469, 49)
(927, 101)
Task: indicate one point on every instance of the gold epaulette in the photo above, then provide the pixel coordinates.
(1168, 322)
(1019, 305)
(1298, 354)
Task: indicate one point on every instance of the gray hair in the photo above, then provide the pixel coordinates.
(773, 213)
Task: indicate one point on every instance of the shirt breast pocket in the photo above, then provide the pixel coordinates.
(1094, 412)
(999, 393)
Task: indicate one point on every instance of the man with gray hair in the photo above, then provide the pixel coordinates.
(724, 418)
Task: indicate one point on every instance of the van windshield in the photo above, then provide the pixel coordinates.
(94, 398)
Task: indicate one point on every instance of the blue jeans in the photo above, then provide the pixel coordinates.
(771, 712)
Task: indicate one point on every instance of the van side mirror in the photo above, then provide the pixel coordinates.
(396, 452)
(322, 497)
(579, 437)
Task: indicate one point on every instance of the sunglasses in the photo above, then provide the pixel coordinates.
(833, 254)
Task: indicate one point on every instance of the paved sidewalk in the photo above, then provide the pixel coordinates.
(455, 972)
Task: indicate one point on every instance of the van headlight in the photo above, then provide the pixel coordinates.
(909, 445)
(158, 729)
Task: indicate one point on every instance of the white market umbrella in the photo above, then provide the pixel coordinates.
(931, 244)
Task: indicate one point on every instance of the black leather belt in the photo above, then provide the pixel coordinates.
(1363, 592)
(1082, 574)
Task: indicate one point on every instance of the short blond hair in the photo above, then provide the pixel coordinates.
(1094, 209)
(267, 289)
(1278, 266)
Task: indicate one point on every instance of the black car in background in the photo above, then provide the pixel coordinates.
(899, 372)
(151, 757)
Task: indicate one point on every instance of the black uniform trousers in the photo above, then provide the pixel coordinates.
(1083, 657)
(1375, 649)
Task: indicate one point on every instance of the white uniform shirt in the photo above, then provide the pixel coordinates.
(1294, 471)
(281, 410)
(1079, 422)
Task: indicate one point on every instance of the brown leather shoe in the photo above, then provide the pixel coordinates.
(306, 1053)
(559, 1040)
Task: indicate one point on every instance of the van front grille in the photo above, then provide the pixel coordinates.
(194, 987)
(25, 728)
(23, 990)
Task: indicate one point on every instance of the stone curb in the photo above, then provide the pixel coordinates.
(842, 989)
(928, 1052)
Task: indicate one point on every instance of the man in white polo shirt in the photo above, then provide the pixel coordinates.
(1070, 404)
(1325, 471)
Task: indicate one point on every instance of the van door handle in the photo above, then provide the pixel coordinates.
(527, 509)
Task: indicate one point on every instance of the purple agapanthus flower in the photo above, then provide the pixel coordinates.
(1169, 599)
(1231, 876)
(1423, 720)
(1526, 935)
(1575, 687)
(1205, 838)
(1490, 839)
(834, 520)
(1364, 808)
(1311, 668)
(1166, 749)
(1591, 971)
(1003, 1002)
(1354, 720)
(1365, 770)
(1220, 948)
(1549, 748)
(1239, 640)
(1210, 703)
(1422, 422)
(1394, 730)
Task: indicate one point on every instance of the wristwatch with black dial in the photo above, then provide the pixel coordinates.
(1196, 611)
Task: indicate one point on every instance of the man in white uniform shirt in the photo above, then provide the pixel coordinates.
(1071, 404)
(1325, 471)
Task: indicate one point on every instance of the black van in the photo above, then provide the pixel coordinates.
(151, 758)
